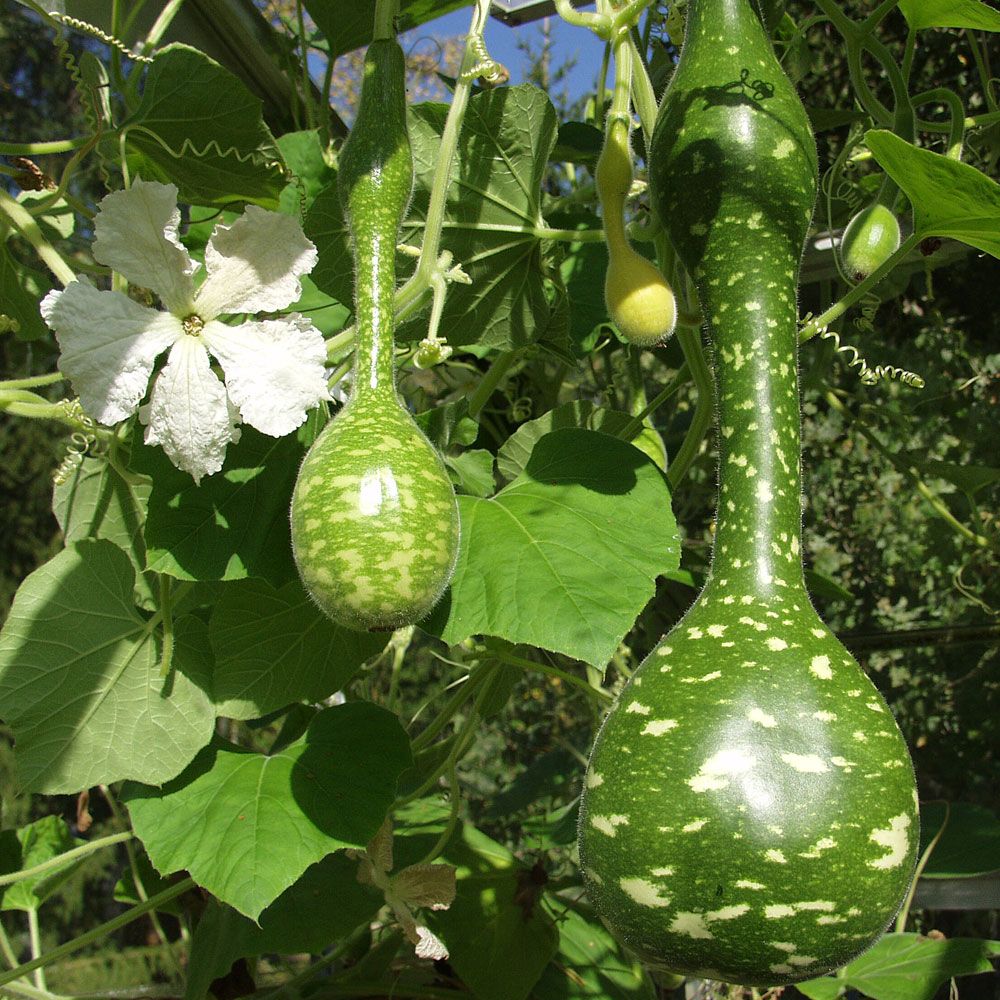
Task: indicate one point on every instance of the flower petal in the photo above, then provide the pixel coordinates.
(275, 369)
(136, 234)
(188, 412)
(109, 344)
(254, 265)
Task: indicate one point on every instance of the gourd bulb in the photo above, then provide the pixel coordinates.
(639, 300)
(870, 239)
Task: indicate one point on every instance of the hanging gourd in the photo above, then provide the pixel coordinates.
(374, 517)
(750, 811)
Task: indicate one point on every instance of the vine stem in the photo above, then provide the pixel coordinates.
(32, 382)
(43, 148)
(24, 222)
(683, 375)
(65, 858)
(491, 379)
(690, 340)
(596, 694)
(454, 703)
(100, 932)
(36, 947)
(160, 25)
(816, 326)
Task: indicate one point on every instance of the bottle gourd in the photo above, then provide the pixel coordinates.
(749, 811)
(374, 517)
(870, 239)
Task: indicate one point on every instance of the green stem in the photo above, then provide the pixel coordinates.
(307, 96)
(26, 225)
(816, 326)
(454, 703)
(32, 381)
(690, 340)
(100, 932)
(904, 910)
(681, 378)
(946, 635)
(462, 740)
(306, 974)
(43, 148)
(956, 110)
(64, 859)
(494, 375)
(643, 95)
(983, 68)
(595, 694)
(160, 25)
(385, 18)
(420, 280)
(8, 952)
(455, 800)
(36, 947)
(166, 610)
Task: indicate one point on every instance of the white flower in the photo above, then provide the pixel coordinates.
(274, 368)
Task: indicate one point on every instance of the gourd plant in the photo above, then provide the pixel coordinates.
(750, 811)
(374, 519)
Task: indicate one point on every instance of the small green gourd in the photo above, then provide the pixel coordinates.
(374, 517)
(749, 811)
(870, 239)
(639, 300)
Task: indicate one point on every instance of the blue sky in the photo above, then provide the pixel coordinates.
(501, 41)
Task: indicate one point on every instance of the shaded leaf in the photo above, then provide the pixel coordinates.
(32, 845)
(80, 682)
(301, 919)
(949, 198)
(472, 472)
(246, 825)
(907, 967)
(237, 160)
(970, 844)
(554, 559)
(235, 524)
(590, 963)
(273, 647)
(21, 289)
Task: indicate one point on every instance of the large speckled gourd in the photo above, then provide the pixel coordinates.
(750, 809)
(374, 517)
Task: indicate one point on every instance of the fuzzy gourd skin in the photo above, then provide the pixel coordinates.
(639, 300)
(870, 239)
(750, 811)
(374, 518)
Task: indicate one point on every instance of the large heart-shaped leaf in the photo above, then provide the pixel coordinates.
(169, 137)
(247, 825)
(80, 682)
(566, 555)
(949, 198)
(273, 647)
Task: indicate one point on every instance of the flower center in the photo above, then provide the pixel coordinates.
(193, 325)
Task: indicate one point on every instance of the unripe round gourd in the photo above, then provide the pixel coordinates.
(375, 525)
(640, 302)
(750, 810)
(374, 520)
(870, 239)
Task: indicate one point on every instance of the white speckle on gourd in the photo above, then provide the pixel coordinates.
(608, 824)
(895, 839)
(644, 892)
(657, 727)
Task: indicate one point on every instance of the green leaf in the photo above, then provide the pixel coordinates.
(304, 155)
(970, 479)
(949, 198)
(32, 845)
(825, 587)
(235, 524)
(578, 142)
(80, 682)
(301, 919)
(246, 825)
(21, 289)
(493, 215)
(950, 14)
(590, 963)
(907, 967)
(273, 647)
(199, 127)
(472, 472)
(95, 502)
(551, 774)
(349, 26)
(969, 846)
(554, 560)
(516, 450)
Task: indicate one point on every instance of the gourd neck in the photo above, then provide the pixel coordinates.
(374, 365)
(759, 532)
